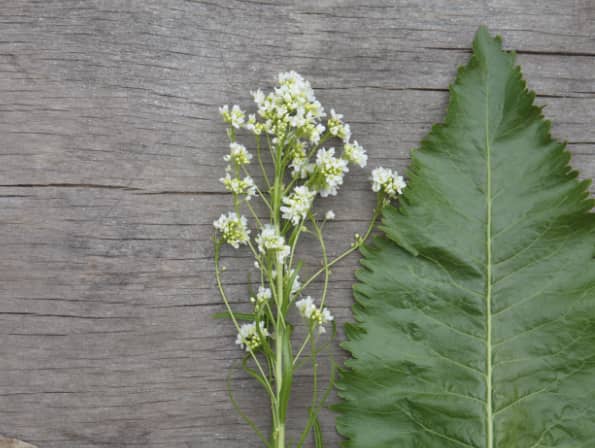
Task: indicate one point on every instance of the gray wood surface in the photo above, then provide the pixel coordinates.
(110, 153)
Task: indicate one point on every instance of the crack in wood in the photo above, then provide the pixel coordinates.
(70, 185)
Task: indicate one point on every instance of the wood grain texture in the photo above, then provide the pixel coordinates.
(109, 159)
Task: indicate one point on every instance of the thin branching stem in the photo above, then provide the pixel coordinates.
(260, 193)
(242, 414)
(325, 264)
(268, 386)
(301, 349)
(355, 246)
(261, 164)
(253, 213)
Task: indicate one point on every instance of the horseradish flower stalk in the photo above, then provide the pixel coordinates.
(290, 127)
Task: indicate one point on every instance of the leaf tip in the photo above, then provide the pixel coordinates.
(484, 41)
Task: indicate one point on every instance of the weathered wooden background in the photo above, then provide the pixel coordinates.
(110, 155)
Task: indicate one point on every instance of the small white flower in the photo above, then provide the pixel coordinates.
(257, 265)
(297, 205)
(300, 165)
(338, 128)
(250, 337)
(291, 77)
(269, 240)
(301, 168)
(306, 307)
(309, 311)
(335, 117)
(262, 296)
(387, 181)
(315, 133)
(239, 186)
(355, 153)
(233, 228)
(345, 133)
(259, 97)
(296, 284)
(235, 117)
(298, 119)
(238, 154)
(324, 317)
(252, 125)
(330, 215)
(331, 171)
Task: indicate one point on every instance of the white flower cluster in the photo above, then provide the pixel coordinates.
(239, 186)
(251, 337)
(253, 126)
(297, 205)
(235, 116)
(300, 164)
(233, 229)
(329, 172)
(317, 316)
(338, 127)
(355, 153)
(262, 296)
(291, 105)
(296, 128)
(387, 181)
(270, 241)
(293, 116)
(238, 154)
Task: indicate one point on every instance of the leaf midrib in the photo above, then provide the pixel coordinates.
(488, 276)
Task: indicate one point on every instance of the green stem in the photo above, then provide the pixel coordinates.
(266, 383)
(354, 247)
(313, 408)
(281, 349)
(261, 164)
(258, 190)
(242, 414)
(254, 215)
(293, 241)
(325, 264)
(280, 355)
(297, 356)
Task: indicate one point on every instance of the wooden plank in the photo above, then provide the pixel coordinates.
(111, 151)
(13, 443)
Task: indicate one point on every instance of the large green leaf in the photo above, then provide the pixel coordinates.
(476, 313)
